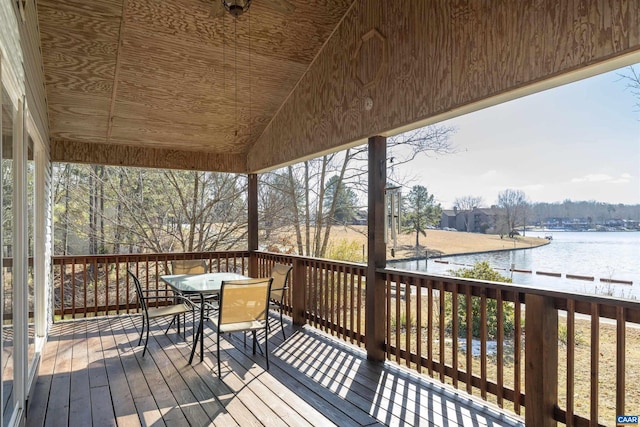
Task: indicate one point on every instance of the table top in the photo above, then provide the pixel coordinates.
(199, 283)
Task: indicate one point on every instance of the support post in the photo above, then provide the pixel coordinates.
(298, 287)
(377, 256)
(541, 361)
(252, 226)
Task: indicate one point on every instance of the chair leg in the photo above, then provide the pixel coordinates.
(171, 324)
(218, 353)
(266, 348)
(284, 337)
(142, 330)
(254, 341)
(146, 341)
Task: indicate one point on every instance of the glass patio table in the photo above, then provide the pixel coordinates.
(200, 284)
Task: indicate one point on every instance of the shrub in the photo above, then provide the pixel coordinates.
(345, 250)
(481, 271)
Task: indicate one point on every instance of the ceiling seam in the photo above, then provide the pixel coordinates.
(116, 72)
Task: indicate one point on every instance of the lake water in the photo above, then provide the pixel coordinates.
(603, 255)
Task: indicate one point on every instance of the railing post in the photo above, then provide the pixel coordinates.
(252, 226)
(375, 319)
(541, 361)
(298, 288)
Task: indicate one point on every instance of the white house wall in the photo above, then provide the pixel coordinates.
(22, 75)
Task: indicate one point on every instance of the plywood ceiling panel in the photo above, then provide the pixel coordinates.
(162, 73)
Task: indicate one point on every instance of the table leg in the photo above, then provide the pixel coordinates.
(199, 333)
(201, 327)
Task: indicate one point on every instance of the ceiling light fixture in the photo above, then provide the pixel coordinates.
(236, 7)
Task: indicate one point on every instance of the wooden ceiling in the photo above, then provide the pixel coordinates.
(179, 75)
(182, 84)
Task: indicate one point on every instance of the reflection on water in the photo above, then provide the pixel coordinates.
(603, 255)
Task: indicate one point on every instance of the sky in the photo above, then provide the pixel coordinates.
(580, 141)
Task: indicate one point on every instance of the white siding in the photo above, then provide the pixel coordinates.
(34, 73)
(10, 44)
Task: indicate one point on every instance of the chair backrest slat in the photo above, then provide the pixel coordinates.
(244, 300)
(136, 282)
(280, 274)
(188, 266)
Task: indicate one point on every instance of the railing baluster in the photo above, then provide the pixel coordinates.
(409, 317)
(352, 300)
(157, 281)
(595, 361)
(310, 295)
(483, 343)
(469, 321)
(388, 301)
(95, 287)
(359, 314)
(620, 359)
(454, 333)
(419, 286)
(398, 289)
(73, 289)
(332, 301)
(344, 283)
(316, 296)
(500, 348)
(441, 329)
(63, 272)
(430, 325)
(323, 285)
(571, 357)
(117, 271)
(106, 286)
(517, 351)
(322, 289)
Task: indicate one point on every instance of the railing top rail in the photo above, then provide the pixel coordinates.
(558, 296)
(60, 259)
(307, 260)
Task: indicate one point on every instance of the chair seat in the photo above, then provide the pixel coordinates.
(239, 326)
(168, 310)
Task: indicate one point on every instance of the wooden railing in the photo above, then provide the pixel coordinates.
(332, 297)
(99, 285)
(425, 331)
(556, 333)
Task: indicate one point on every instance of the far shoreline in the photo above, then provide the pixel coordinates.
(448, 255)
(440, 243)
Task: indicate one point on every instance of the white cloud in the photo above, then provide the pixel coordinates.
(594, 177)
(489, 174)
(533, 187)
(624, 178)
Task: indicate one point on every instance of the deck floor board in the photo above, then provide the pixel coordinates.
(93, 373)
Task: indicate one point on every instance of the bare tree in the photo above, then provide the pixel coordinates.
(514, 206)
(632, 78)
(466, 205)
(311, 213)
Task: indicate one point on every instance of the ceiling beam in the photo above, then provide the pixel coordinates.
(163, 158)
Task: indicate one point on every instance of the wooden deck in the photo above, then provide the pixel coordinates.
(93, 373)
